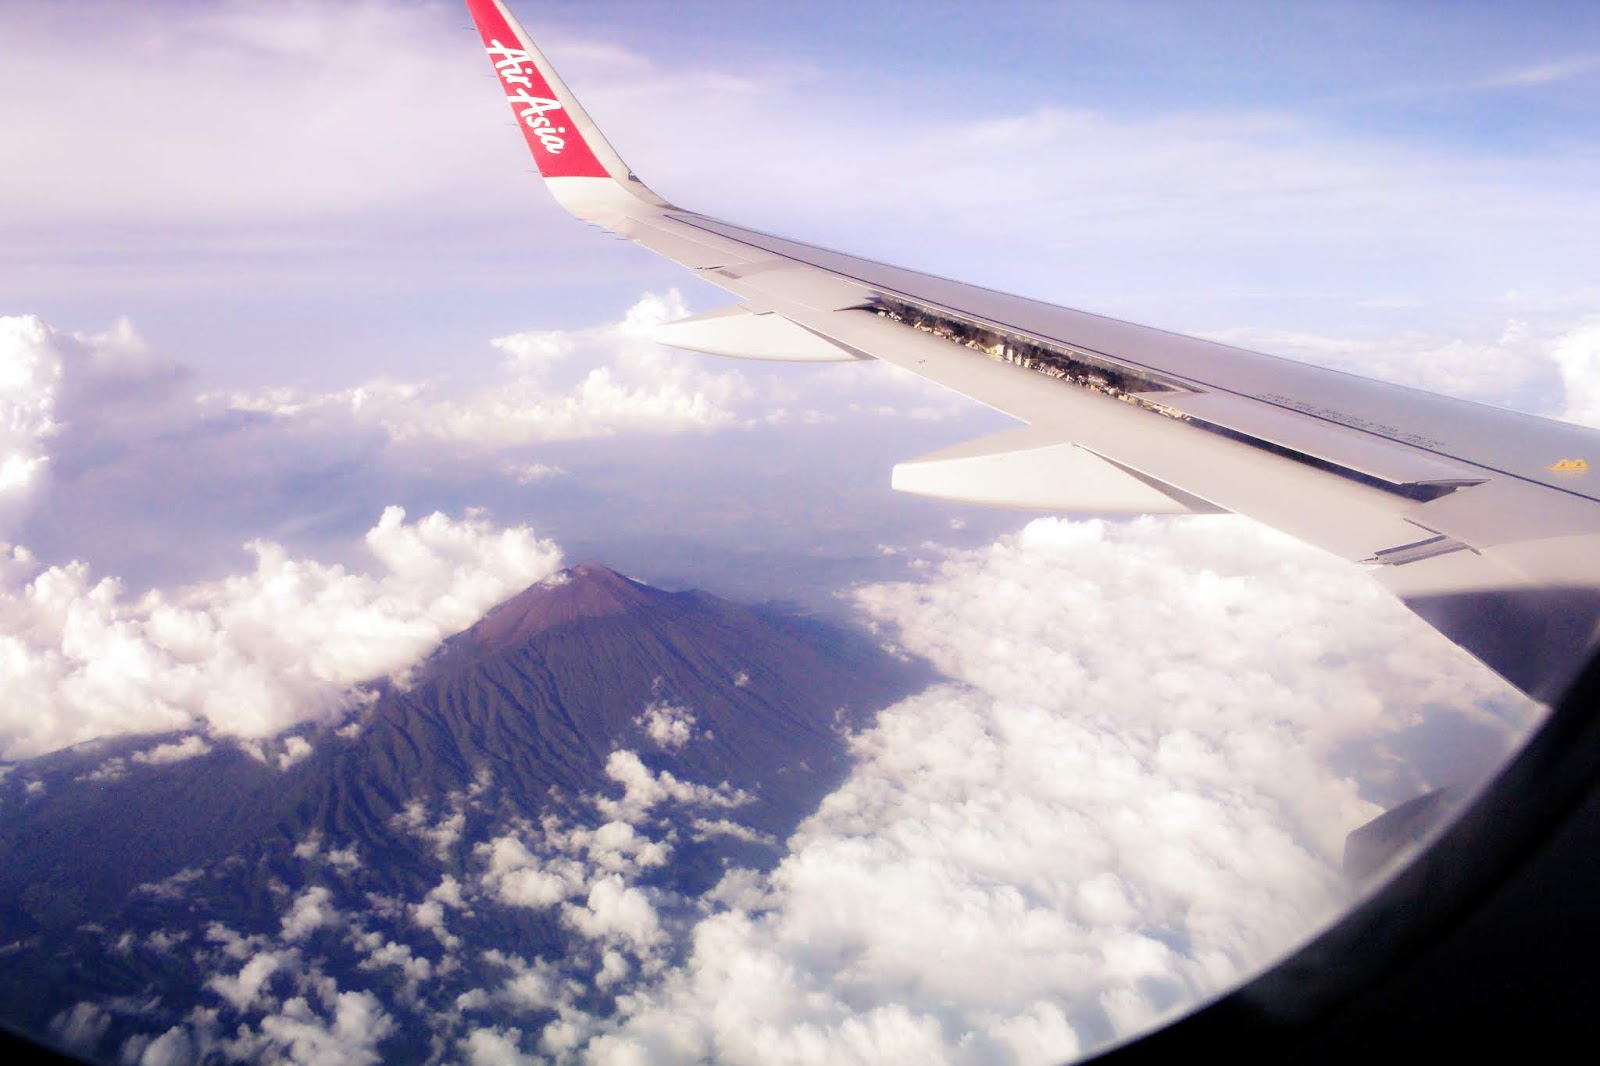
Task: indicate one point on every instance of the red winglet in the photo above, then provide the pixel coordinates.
(553, 137)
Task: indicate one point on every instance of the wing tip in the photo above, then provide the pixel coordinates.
(567, 147)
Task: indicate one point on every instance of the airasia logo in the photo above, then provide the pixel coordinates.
(517, 71)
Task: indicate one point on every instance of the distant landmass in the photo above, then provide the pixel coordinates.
(503, 842)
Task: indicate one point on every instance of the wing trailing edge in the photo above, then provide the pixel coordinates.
(1037, 471)
(745, 334)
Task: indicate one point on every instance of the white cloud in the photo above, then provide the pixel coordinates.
(312, 909)
(615, 910)
(644, 790)
(53, 380)
(30, 370)
(430, 913)
(1545, 73)
(188, 748)
(520, 878)
(669, 726)
(172, 1048)
(303, 1036)
(346, 859)
(1511, 366)
(295, 749)
(704, 828)
(241, 990)
(80, 1027)
(445, 832)
(248, 655)
(616, 847)
(174, 886)
(495, 1047)
(533, 986)
(1135, 792)
(529, 473)
(1577, 354)
(415, 968)
(625, 383)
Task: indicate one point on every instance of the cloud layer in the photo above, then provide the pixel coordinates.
(1132, 791)
(302, 101)
(29, 371)
(557, 385)
(253, 653)
(1135, 793)
(1577, 355)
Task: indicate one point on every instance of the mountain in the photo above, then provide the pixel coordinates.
(554, 791)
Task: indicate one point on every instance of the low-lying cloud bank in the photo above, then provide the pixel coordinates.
(1132, 791)
(1135, 792)
(253, 653)
(51, 378)
(556, 385)
(1577, 355)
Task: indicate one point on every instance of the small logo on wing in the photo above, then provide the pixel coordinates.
(1568, 466)
(516, 69)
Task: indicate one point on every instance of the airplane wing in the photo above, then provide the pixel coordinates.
(1485, 522)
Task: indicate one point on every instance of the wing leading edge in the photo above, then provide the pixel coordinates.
(1485, 522)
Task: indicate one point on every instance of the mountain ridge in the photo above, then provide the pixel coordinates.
(706, 728)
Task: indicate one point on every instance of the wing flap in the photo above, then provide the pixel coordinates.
(746, 334)
(1036, 471)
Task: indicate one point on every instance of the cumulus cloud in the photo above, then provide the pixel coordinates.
(565, 861)
(621, 382)
(242, 989)
(521, 878)
(121, 457)
(1577, 354)
(173, 886)
(346, 859)
(705, 828)
(251, 654)
(348, 1032)
(295, 749)
(174, 1047)
(430, 913)
(1132, 790)
(643, 790)
(1551, 368)
(1511, 366)
(30, 368)
(54, 380)
(80, 1027)
(1176, 723)
(187, 748)
(444, 830)
(669, 726)
(616, 910)
(495, 1047)
(312, 909)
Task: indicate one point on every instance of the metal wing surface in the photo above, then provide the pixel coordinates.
(1486, 522)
